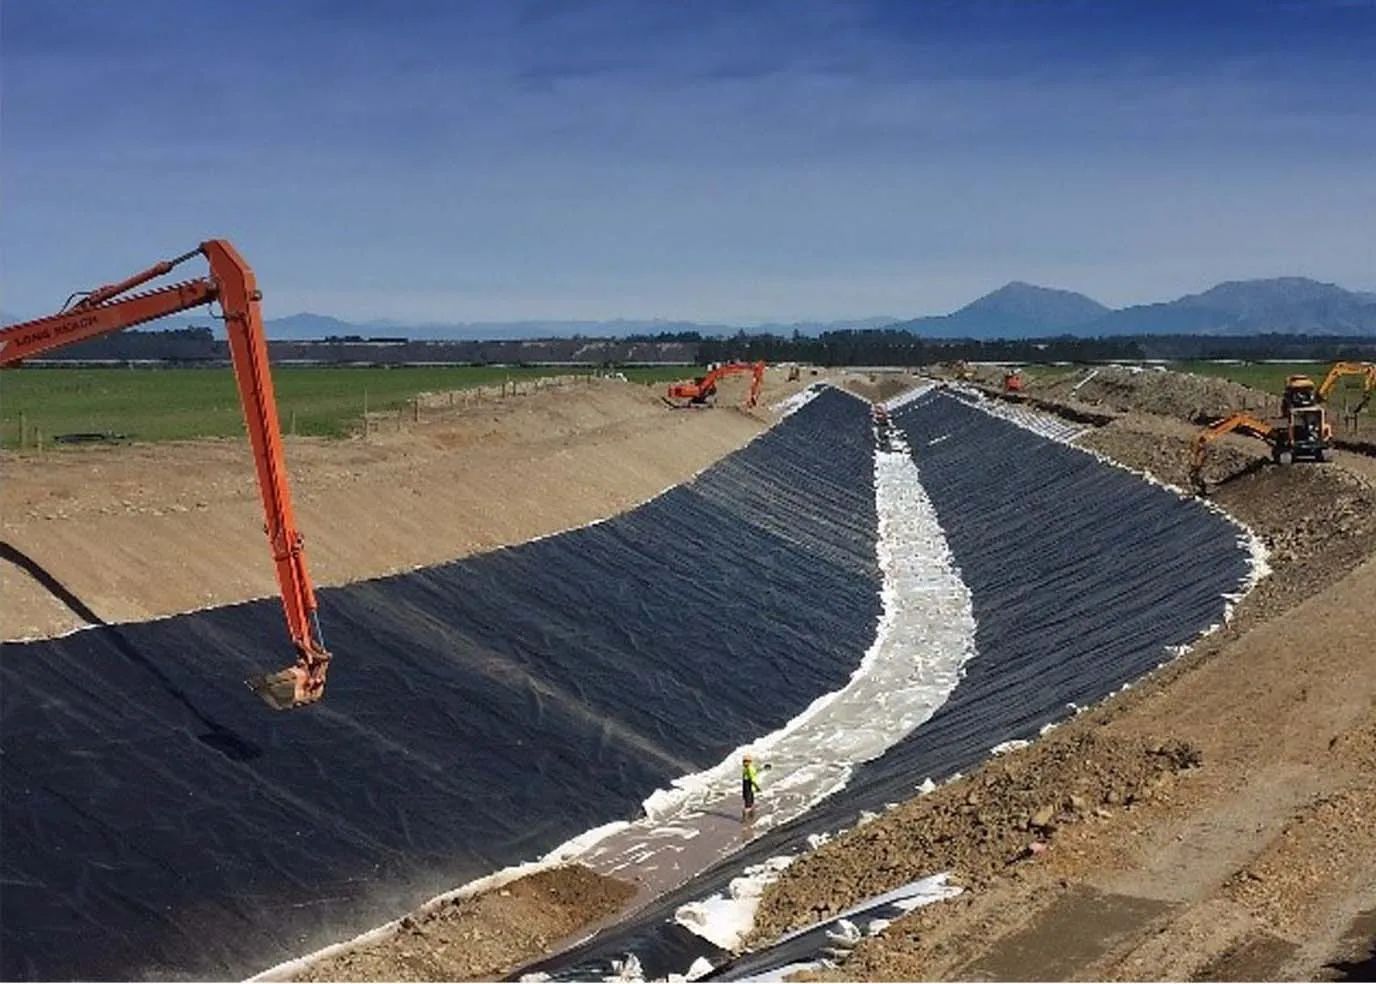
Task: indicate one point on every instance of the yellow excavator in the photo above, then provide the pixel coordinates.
(1342, 369)
(961, 370)
(1303, 430)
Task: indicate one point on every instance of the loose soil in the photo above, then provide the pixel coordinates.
(876, 386)
(482, 937)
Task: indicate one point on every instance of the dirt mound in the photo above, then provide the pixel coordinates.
(1164, 448)
(877, 386)
(979, 826)
(482, 937)
(1169, 394)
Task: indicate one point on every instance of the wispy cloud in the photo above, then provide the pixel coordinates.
(715, 160)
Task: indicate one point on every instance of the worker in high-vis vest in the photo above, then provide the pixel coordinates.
(750, 785)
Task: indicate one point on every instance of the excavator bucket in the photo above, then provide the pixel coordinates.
(294, 686)
(278, 690)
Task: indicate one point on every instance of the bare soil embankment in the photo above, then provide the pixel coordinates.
(482, 937)
(147, 530)
(1214, 821)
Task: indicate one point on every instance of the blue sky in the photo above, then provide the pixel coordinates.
(734, 161)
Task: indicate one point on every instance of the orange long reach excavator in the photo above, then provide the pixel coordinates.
(232, 284)
(702, 389)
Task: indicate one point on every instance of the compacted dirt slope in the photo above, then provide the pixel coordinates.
(149, 530)
(482, 937)
(1217, 821)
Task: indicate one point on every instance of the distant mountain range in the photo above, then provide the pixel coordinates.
(300, 327)
(1282, 305)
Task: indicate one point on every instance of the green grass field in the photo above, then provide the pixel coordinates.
(1270, 378)
(148, 404)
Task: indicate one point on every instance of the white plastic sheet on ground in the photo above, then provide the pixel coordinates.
(1028, 418)
(926, 634)
(839, 934)
(725, 919)
(792, 404)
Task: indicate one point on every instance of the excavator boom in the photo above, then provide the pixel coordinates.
(231, 282)
(78, 324)
(1341, 369)
(1242, 422)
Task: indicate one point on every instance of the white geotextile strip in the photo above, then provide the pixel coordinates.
(1028, 418)
(792, 404)
(925, 634)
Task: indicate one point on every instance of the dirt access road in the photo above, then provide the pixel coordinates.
(147, 530)
(1217, 821)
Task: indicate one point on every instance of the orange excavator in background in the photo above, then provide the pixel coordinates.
(230, 283)
(704, 388)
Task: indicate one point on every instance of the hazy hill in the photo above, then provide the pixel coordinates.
(1015, 310)
(1281, 305)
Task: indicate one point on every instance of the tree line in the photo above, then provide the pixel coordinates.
(895, 347)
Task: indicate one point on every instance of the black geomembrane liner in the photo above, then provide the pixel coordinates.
(1081, 575)
(157, 820)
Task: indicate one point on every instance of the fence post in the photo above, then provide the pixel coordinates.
(23, 429)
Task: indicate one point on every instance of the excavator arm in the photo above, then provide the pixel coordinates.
(756, 383)
(1243, 423)
(1341, 369)
(231, 282)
